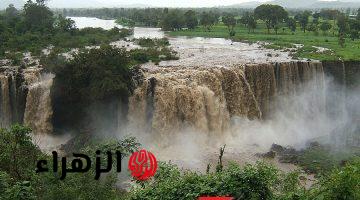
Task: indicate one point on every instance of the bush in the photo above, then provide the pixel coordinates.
(47, 185)
(341, 184)
(258, 181)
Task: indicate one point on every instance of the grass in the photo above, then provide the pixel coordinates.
(322, 159)
(285, 39)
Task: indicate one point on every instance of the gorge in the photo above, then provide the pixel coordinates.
(171, 99)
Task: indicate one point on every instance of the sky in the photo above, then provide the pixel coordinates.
(159, 3)
(182, 3)
(125, 3)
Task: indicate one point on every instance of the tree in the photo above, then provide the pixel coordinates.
(354, 34)
(325, 26)
(245, 19)
(304, 20)
(252, 23)
(354, 28)
(173, 20)
(207, 20)
(249, 21)
(191, 20)
(291, 22)
(313, 28)
(11, 12)
(230, 21)
(14, 144)
(342, 22)
(272, 15)
(11, 16)
(358, 14)
(37, 16)
(343, 25)
(330, 15)
(64, 24)
(98, 76)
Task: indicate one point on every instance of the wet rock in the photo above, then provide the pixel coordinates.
(270, 155)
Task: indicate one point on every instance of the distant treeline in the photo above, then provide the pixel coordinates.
(172, 19)
(345, 22)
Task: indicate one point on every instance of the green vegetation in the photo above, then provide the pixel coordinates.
(285, 39)
(97, 78)
(18, 179)
(272, 15)
(147, 42)
(258, 181)
(336, 32)
(339, 38)
(321, 159)
(317, 158)
(36, 28)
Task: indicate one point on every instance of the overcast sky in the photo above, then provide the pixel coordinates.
(156, 3)
(160, 3)
(180, 3)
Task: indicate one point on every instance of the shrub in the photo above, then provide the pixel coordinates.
(258, 181)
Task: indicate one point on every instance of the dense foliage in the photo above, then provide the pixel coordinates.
(92, 78)
(336, 30)
(36, 27)
(259, 181)
(18, 180)
(97, 82)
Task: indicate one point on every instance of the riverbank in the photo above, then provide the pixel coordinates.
(319, 47)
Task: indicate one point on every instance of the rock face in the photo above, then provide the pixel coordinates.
(12, 96)
(174, 98)
(25, 98)
(171, 99)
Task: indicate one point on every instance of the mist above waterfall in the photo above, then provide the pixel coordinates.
(184, 115)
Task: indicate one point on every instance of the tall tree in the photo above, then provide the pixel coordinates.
(65, 24)
(251, 23)
(11, 11)
(343, 24)
(325, 26)
(37, 16)
(207, 20)
(354, 26)
(173, 20)
(272, 15)
(291, 23)
(304, 20)
(191, 20)
(229, 21)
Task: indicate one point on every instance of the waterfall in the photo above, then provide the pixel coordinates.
(173, 98)
(38, 111)
(5, 106)
(170, 99)
(25, 98)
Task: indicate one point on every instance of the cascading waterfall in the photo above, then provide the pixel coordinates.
(173, 98)
(5, 107)
(38, 112)
(206, 99)
(25, 98)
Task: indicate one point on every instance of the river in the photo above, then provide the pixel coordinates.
(196, 51)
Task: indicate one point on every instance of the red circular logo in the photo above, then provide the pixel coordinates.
(142, 165)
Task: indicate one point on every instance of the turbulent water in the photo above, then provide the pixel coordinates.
(184, 113)
(38, 110)
(25, 98)
(172, 98)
